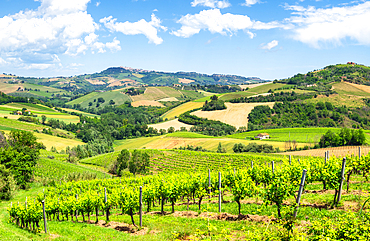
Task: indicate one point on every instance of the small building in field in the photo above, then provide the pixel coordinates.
(263, 136)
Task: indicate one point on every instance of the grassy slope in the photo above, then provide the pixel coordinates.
(116, 96)
(349, 95)
(253, 91)
(58, 169)
(301, 135)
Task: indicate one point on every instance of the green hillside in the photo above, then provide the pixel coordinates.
(118, 97)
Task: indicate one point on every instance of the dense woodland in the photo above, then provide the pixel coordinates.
(299, 114)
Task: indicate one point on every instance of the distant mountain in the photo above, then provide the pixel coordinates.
(119, 77)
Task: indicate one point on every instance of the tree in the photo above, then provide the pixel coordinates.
(171, 129)
(111, 102)
(43, 118)
(214, 97)
(220, 149)
(20, 156)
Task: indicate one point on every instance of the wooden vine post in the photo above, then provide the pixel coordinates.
(44, 215)
(219, 192)
(141, 206)
(341, 180)
(301, 186)
(106, 203)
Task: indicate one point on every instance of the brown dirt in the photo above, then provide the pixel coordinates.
(122, 227)
(188, 214)
(217, 216)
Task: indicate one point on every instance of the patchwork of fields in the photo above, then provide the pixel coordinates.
(235, 114)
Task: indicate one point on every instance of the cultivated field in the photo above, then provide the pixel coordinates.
(171, 141)
(235, 114)
(146, 103)
(341, 151)
(172, 123)
(175, 112)
(58, 142)
(38, 110)
(157, 93)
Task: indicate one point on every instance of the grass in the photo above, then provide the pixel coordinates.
(57, 169)
(118, 97)
(175, 112)
(206, 98)
(301, 135)
(253, 91)
(339, 100)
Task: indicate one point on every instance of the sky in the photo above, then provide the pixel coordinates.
(252, 38)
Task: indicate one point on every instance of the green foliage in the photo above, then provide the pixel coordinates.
(274, 97)
(253, 147)
(205, 126)
(214, 104)
(345, 137)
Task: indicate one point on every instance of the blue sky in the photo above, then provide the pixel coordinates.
(266, 39)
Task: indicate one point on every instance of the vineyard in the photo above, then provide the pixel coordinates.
(247, 189)
(169, 160)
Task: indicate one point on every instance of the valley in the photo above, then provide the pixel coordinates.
(97, 138)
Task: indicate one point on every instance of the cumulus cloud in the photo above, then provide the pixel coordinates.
(319, 26)
(216, 22)
(149, 29)
(249, 3)
(211, 3)
(55, 27)
(270, 45)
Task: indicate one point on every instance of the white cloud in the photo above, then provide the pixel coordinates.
(55, 27)
(114, 46)
(149, 29)
(249, 3)
(211, 3)
(317, 27)
(270, 45)
(2, 61)
(97, 4)
(40, 66)
(216, 22)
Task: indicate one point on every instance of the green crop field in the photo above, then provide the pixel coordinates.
(192, 94)
(207, 98)
(300, 135)
(118, 97)
(38, 110)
